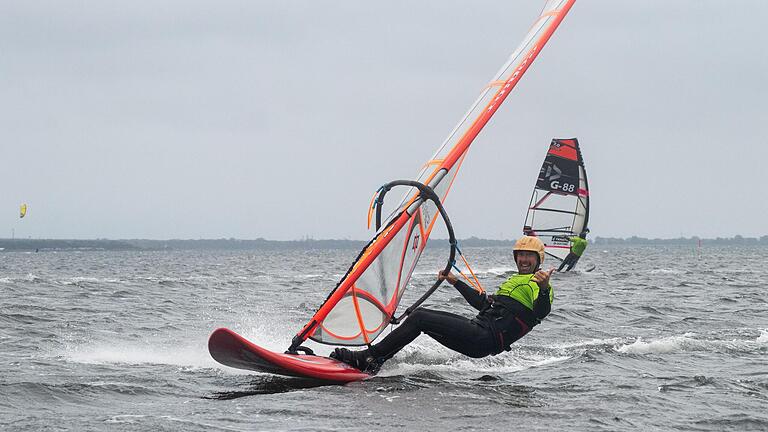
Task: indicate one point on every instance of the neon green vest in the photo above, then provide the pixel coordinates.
(578, 246)
(523, 289)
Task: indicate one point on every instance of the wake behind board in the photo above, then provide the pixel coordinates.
(233, 350)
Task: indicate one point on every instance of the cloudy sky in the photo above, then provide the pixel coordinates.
(279, 119)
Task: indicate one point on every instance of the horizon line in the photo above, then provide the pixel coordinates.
(308, 239)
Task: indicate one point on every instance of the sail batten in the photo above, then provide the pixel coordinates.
(366, 298)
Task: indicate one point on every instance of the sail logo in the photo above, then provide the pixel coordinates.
(553, 173)
(565, 187)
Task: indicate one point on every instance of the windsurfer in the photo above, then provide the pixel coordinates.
(520, 303)
(578, 244)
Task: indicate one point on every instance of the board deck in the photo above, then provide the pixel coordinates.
(233, 350)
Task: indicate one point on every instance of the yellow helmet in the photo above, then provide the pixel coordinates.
(529, 243)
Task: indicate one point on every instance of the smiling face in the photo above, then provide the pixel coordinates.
(526, 261)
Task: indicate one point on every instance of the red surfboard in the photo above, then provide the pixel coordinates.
(233, 350)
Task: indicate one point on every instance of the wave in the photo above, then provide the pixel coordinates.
(689, 342)
(763, 338)
(24, 394)
(492, 271)
(28, 278)
(187, 351)
(589, 343)
(665, 271)
(19, 318)
(659, 346)
(126, 418)
(735, 422)
(310, 276)
(165, 353)
(426, 355)
(498, 271)
(79, 280)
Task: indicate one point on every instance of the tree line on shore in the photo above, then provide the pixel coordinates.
(9, 245)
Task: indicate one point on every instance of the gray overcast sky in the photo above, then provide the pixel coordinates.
(279, 119)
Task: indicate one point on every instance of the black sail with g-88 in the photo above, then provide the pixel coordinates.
(559, 206)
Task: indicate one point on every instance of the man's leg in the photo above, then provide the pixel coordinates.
(450, 330)
(573, 262)
(453, 331)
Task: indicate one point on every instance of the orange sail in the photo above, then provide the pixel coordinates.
(366, 298)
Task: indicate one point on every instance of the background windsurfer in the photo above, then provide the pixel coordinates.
(520, 303)
(578, 244)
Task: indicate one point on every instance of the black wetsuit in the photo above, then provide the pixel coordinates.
(572, 258)
(501, 321)
(569, 262)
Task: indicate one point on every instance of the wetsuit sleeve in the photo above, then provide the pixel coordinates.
(475, 298)
(542, 305)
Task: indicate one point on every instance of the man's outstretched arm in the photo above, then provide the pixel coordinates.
(477, 299)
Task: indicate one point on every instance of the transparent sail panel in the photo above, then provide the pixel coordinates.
(376, 293)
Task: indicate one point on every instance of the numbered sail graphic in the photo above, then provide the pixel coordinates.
(559, 206)
(366, 298)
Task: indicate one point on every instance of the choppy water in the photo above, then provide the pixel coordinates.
(653, 338)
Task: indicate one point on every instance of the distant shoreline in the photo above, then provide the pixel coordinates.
(11, 245)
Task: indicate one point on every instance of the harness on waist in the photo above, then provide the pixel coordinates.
(504, 306)
(508, 319)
